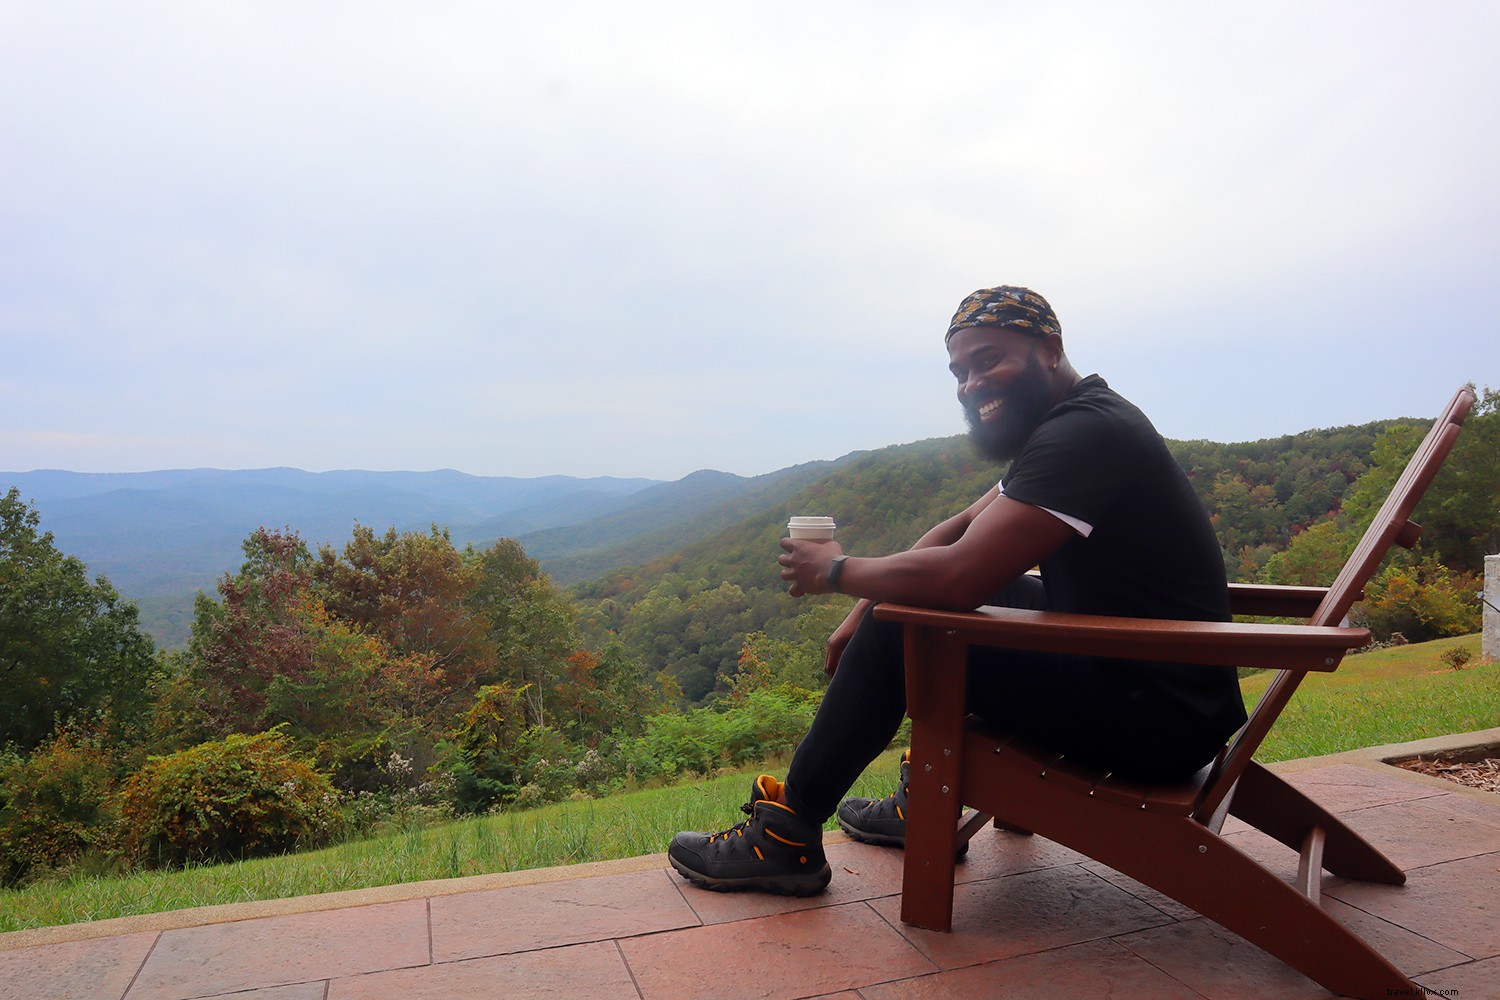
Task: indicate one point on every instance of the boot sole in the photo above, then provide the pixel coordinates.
(781, 885)
(885, 840)
(865, 837)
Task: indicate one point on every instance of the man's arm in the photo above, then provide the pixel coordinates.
(1001, 540)
(949, 531)
(944, 535)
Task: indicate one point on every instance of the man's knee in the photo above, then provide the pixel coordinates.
(876, 635)
(1026, 592)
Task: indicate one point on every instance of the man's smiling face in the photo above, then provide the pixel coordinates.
(1003, 386)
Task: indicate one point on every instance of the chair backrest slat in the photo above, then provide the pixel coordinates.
(1391, 525)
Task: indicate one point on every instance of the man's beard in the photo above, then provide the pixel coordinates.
(1026, 404)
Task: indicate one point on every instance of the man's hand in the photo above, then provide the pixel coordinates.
(805, 564)
(834, 651)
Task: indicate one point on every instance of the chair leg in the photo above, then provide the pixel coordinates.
(927, 870)
(1269, 804)
(933, 804)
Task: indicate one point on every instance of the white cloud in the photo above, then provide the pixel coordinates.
(582, 238)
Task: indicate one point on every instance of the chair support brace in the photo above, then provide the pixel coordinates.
(1310, 864)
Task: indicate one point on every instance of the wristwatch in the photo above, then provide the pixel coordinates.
(835, 568)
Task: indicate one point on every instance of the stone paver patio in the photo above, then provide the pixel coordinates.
(1030, 919)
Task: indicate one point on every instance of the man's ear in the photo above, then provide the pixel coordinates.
(1052, 351)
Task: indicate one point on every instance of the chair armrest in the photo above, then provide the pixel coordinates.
(1274, 647)
(1272, 601)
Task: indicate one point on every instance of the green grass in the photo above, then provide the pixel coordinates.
(621, 826)
(1387, 696)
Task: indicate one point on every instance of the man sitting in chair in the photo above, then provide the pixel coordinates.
(1094, 498)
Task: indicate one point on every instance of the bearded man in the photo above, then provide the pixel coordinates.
(1095, 500)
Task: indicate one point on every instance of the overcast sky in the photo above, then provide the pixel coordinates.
(641, 239)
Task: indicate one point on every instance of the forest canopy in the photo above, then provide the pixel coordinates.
(1274, 504)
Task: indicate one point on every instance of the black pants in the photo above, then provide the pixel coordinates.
(1088, 709)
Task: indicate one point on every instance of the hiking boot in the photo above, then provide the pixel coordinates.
(882, 821)
(879, 821)
(775, 850)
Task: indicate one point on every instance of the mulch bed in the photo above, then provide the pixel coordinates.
(1483, 773)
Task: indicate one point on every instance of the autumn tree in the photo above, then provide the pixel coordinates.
(604, 693)
(1421, 599)
(269, 653)
(411, 590)
(1313, 557)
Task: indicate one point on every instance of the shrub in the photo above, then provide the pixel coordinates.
(547, 771)
(405, 803)
(482, 756)
(1456, 657)
(56, 806)
(1420, 600)
(598, 772)
(238, 797)
(766, 723)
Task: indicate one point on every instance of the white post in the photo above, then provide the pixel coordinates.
(1490, 644)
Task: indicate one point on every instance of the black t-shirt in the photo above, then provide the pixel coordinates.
(1151, 553)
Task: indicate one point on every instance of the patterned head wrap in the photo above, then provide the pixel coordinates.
(1006, 305)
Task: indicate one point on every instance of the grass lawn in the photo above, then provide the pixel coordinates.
(1386, 696)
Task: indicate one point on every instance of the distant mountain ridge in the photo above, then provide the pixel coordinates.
(160, 537)
(662, 519)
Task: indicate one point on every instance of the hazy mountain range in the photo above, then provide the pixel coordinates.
(161, 537)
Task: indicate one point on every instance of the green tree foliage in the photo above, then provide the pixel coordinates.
(1260, 494)
(792, 667)
(1313, 558)
(1429, 593)
(68, 648)
(702, 740)
(1461, 517)
(691, 629)
(487, 765)
(531, 626)
(605, 694)
(465, 661)
(689, 614)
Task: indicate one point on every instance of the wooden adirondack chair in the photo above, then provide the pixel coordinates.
(1165, 836)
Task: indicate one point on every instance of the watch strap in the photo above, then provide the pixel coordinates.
(835, 570)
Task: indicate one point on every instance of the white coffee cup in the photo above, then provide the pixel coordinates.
(820, 528)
